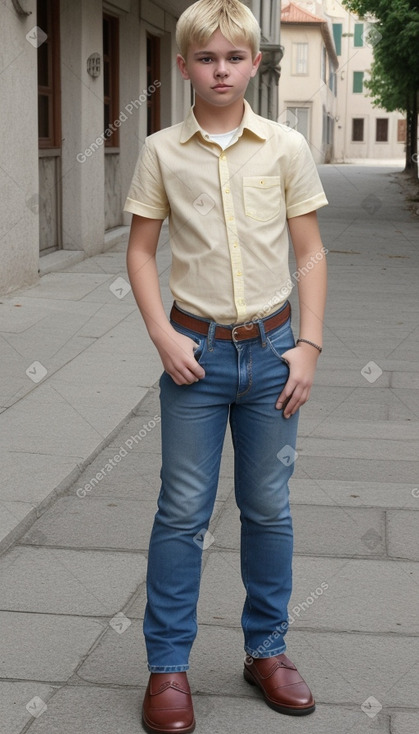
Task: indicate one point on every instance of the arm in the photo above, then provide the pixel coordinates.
(176, 350)
(302, 359)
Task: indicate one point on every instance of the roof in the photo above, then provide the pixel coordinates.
(292, 13)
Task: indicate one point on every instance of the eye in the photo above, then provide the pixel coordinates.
(206, 59)
(235, 59)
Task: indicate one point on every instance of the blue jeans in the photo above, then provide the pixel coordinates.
(242, 382)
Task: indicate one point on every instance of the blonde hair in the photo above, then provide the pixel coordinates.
(201, 19)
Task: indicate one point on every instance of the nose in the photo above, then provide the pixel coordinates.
(221, 70)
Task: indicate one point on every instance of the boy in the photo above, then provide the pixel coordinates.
(229, 181)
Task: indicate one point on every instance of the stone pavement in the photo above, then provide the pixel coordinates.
(80, 440)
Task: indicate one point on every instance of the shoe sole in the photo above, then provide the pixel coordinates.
(153, 729)
(276, 706)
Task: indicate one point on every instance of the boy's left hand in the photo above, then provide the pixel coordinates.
(302, 361)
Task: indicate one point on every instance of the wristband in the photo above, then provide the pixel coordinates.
(306, 341)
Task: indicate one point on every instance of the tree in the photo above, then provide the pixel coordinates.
(394, 82)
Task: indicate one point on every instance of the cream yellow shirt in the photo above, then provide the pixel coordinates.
(227, 212)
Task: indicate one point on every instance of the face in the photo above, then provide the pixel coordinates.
(218, 70)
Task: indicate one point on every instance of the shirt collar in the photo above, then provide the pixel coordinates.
(250, 121)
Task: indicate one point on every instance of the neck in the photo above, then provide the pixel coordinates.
(218, 119)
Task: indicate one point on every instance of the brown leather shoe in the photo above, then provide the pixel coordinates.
(282, 686)
(168, 705)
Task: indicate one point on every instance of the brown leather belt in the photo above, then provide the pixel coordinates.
(247, 330)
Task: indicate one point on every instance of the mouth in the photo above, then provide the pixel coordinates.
(222, 86)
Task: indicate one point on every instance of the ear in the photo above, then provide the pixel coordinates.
(256, 64)
(182, 66)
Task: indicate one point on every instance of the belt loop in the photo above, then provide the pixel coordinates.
(210, 337)
(262, 332)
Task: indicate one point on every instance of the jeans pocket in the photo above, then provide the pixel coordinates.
(199, 349)
(200, 341)
(280, 341)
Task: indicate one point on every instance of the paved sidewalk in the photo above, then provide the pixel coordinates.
(75, 361)
(80, 435)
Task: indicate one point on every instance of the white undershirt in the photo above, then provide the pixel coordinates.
(223, 139)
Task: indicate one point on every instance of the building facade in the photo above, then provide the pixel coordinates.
(82, 84)
(308, 80)
(363, 131)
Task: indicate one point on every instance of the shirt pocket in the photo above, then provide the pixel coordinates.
(262, 197)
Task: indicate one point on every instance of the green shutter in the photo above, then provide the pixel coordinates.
(358, 35)
(337, 37)
(358, 82)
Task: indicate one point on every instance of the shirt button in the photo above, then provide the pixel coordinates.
(227, 191)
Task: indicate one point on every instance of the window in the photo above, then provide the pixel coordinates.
(381, 130)
(358, 82)
(401, 131)
(153, 74)
(111, 79)
(299, 58)
(358, 129)
(323, 63)
(297, 118)
(337, 36)
(359, 35)
(330, 129)
(324, 126)
(49, 106)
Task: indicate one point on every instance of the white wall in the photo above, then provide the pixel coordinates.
(83, 180)
(308, 90)
(82, 122)
(19, 221)
(352, 105)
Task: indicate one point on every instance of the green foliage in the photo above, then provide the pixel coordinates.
(395, 71)
(390, 97)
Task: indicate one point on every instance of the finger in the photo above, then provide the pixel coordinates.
(290, 405)
(295, 403)
(187, 376)
(285, 395)
(291, 408)
(181, 379)
(197, 370)
(284, 404)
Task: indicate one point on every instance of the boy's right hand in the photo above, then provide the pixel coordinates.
(177, 354)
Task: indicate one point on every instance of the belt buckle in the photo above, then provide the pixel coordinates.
(246, 328)
(234, 333)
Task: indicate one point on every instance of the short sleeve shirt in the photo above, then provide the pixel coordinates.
(228, 212)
